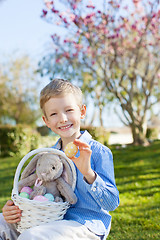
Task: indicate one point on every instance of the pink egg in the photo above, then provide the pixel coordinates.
(40, 198)
(27, 190)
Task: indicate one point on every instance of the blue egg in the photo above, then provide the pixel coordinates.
(49, 196)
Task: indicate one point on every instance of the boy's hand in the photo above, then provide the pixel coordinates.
(11, 212)
(83, 162)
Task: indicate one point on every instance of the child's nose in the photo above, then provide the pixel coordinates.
(63, 118)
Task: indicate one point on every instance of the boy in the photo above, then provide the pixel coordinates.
(89, 218)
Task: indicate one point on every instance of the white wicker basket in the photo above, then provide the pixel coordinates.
(35, 213)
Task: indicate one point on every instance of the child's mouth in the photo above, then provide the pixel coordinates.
(65, 127)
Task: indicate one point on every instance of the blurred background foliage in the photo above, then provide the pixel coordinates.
(110, 72)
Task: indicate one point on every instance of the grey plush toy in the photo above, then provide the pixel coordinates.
(49, 173)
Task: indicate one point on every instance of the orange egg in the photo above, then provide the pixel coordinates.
(71, 150)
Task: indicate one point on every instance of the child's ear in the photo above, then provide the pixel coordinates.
(83, 111)
(46, 121)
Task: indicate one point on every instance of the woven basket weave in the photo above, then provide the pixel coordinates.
(35, 213)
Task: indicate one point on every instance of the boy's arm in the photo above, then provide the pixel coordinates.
(103, 189)
(11, 212)
(101, 183)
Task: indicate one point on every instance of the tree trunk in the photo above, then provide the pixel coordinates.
(139, 134)
(100, 115)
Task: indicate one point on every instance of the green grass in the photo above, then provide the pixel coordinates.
(137, 172)
(7, 169)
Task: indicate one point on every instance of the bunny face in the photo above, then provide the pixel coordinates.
(53, 175)
(49, 167)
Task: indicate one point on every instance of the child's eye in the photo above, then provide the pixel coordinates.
(53, 114)
(70, 110)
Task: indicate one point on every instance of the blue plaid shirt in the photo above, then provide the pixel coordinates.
(97, 199)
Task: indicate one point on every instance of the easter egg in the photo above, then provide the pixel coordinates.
(24, 195)
(40, 198)
(71, 150)
(49, 196)
(27, 190)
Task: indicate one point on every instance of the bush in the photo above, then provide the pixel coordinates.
(152, 133)
(44, 130)
(17, 140)
(100, 134)
(47, 141)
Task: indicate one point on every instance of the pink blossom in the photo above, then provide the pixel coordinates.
(57, 60)
(158, 75)
(53, 36)
(153, 25)
(49, 4)
(125, 7)
(90, 6)
(87, 35)
(135, 39)
(54, 10)
(88, 50)
(134, 27)
(66, 41)
(44, 12)
(135, 1)
(58, 23)
(75, 54)
(76, 20)
(66, 54)
(154, 15)
(72, 17)
(120, 50)
(65, 20)
(106, 31)
(74, 6)
(90, 15)
(78, 46)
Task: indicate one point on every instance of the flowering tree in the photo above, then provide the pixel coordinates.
(112, 48)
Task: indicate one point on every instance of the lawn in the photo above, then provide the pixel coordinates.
(137, 172)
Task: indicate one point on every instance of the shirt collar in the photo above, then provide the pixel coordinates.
(58, 144)
(85, 137)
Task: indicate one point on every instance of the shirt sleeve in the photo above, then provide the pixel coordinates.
(103, 189)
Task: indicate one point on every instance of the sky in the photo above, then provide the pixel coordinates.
(21, 27)
(22, 30)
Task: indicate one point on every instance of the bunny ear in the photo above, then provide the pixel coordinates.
(67, 171)
(31, 167)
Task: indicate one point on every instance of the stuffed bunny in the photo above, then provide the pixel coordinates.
(50, 173)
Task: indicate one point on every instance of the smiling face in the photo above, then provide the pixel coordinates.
(63, 115)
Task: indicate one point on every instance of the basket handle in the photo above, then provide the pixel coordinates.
(33, 152)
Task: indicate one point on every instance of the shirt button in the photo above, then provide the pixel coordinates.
(94, 189)
(101, 200)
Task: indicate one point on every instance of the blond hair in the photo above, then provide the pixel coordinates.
(59, 87)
